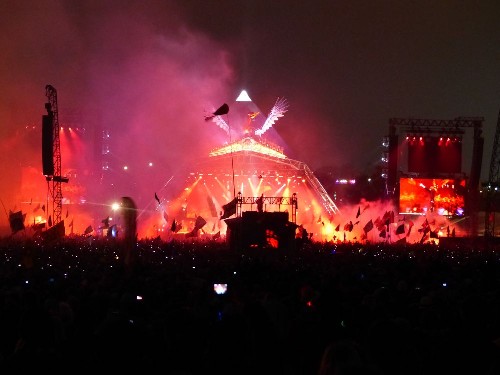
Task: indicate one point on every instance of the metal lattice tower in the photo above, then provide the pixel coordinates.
(494, 176)
(493, 181)
(56, 179)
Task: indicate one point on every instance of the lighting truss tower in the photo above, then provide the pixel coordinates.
(54, 181)
(493, 183)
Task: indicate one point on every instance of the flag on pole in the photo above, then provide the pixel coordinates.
(410, 225)
(222, 110)
(229, 209)
(200, 223)
(211, 206)
(400, 229)
(401, 241)
(349, 226)
(368, 227)
(16, 221)
(105, 222)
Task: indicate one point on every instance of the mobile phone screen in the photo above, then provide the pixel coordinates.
(220, 288)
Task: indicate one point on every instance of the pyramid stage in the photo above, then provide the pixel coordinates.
(251, 165)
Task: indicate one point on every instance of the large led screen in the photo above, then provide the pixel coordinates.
(436, 195)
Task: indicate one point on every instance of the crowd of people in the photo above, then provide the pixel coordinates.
(321, 308)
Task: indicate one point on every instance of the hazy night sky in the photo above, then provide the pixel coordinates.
(148, 71)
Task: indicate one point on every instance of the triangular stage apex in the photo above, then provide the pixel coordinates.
(243, 97)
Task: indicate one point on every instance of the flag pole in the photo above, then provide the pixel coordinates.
(232, 159)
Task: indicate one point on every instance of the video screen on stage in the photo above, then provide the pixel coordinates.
(432, 195)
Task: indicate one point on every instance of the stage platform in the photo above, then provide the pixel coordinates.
(261, 230)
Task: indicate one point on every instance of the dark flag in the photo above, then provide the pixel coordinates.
(388, 217)
(400, 229)
(36, 208)
(88, 230)
(359, 212)
(175, 227)
(16, 221)
(55, 233)
(38, 227)
(105, 222)
(200, 222)
(349, 226)
(222, 110)
(211, 206)
(229, 209)
(337, 228)
(425, 228)
(434, 234)
(50, 221)
(157, 199)
(43, 208)
(401, 241)
(410, 225)
(368, 227)
(382, 233)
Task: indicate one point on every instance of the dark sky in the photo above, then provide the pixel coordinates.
(149, 70)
